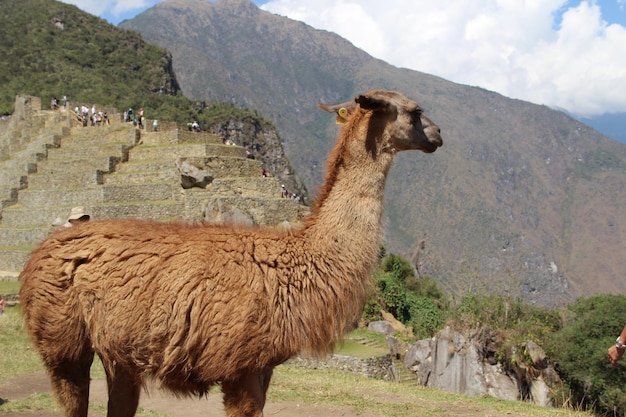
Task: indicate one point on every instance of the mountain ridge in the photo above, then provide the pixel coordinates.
(504, 206)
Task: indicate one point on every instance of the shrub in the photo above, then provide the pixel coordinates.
(427, 317)
(417, 303)
(397, 267)
(579, 350)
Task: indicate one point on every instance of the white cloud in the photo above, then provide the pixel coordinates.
(555, 52)
(551, 52)
(113, 10)
(90, 6)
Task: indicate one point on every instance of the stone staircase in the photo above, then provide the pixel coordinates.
(118, 171)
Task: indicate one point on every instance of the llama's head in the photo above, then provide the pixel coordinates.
(401, 120)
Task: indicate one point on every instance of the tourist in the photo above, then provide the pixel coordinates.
(77, 215)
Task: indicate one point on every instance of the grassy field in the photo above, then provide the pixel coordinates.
(9, 287)
(355, 394)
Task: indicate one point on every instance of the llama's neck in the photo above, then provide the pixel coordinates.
(342, 242)
(349, 217)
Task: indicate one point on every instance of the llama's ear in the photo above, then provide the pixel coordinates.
(373, 102)
(342, 110)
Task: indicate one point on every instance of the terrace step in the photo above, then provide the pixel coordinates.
(87, 152)
(21, 216)
(149, 152)
(67, 167)
(23, 236)
(119, 171)
(98, 194)
(173, 135)
(60, 180)
(246, 187)
(14, 258)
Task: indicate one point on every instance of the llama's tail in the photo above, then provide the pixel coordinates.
(54, 320)
(52, 310)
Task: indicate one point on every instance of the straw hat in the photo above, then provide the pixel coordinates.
(78, 213)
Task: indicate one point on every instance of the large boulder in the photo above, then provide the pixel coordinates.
(192, 176)
(461, 362)
(382, 327)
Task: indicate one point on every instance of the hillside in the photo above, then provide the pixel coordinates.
(53, 49)
(521, 200)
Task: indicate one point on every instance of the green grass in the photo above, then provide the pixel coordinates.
(31, 403)
(360, 394)
(353, 348)
(9, 287)
(17, 355)
(353, 393)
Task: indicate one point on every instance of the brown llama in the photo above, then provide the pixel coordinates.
(195, 305)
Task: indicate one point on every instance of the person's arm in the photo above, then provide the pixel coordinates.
(617, 350)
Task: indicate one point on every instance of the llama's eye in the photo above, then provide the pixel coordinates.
(416, 117)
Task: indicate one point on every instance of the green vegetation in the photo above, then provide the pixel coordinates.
(377, 397)
(9, 287)
(17, 355)
(223, 112)
(579, 350)
(354, 348)
(513, 322)
(417, 303)
(44, 401)
(575, 338)
(68, 52)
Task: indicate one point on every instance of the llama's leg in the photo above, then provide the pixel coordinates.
(70, 382)
(245, 397)
(124, 389)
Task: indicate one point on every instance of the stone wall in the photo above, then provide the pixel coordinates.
(379, 367)
(169, 133)
(25, 106)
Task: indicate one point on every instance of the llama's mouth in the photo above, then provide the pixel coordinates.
(434, 142)
(429, 149)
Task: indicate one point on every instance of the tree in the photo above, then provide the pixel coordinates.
(579, 351)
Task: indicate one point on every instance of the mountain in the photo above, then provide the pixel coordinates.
(521, 200)
(53, 49)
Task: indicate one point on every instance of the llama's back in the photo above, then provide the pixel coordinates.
(155, 297)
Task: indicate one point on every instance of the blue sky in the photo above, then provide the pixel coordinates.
(564, 54)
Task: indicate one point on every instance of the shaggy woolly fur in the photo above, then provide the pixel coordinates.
(194, 305)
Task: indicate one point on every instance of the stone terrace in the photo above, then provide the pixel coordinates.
(49, 163)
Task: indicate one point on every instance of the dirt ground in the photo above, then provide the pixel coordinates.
(24, 385)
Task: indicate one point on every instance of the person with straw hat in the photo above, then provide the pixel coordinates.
(77, 214)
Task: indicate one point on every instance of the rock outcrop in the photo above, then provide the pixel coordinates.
(461, 362)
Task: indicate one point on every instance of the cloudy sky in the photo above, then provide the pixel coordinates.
(564, 54)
